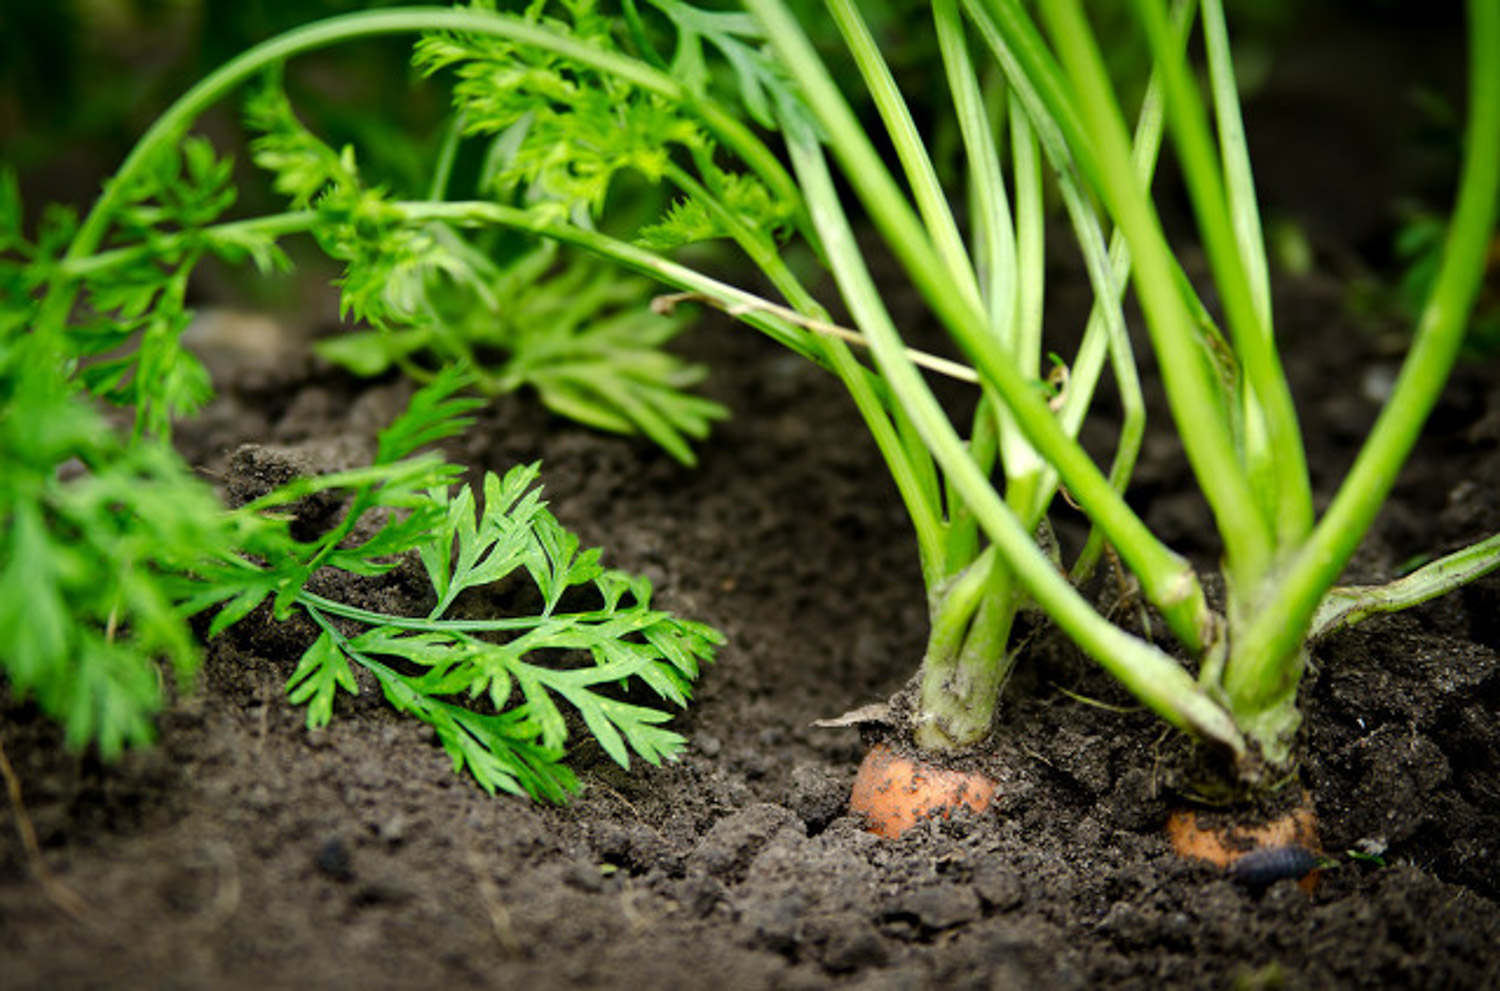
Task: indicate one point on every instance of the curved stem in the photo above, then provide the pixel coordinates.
(1165, 576)
(1196, 403)
(447, 155)
(1343, 607)
(1254, 677)
(1223, 199)
(932, 202)
(272, 225)
(174, 122)
(1144, 670)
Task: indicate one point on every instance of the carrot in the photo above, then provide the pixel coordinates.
(894, 792)
(1226, 845)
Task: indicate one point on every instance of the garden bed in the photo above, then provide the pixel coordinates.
(245, 851)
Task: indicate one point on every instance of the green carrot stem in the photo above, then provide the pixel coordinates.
(174, 122)
(1146, 671)
(1195, 401)
(994, 235)
(1166, 578)
(1236, 252)
(1345, 606)
(1254, 676)
(911, 151)
(967, 662)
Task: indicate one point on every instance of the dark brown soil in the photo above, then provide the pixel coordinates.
(245, 851)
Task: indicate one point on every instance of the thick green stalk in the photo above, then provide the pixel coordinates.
(966, 663)
(1145, 671)
(995, 253)
(955, 602)
(1191, 392)
(1105, 332)
(1033, 62)
(1259, 675)
(1236, 254)
(1239, 181)
(1031, 259)
(911, 151)
(1290, 515)
(1106, 320)
(1014, 289)
(993, 231)
(1167, 579)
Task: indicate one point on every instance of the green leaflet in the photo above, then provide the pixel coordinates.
(577, 331)
(572, 129)
(566, 131)
(489, 687)
(133, 311)
(624, 637)
(92, 557)
(439, 668)
(321, 672)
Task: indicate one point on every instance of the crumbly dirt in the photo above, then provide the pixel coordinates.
(246, 851)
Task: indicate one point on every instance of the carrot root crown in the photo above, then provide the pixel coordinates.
(1228, 846)
(894, 792)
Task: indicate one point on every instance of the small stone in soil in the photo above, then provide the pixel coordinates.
(816, 796)
(998, 886)
(939, 906)
(392, 830)
(334, 860)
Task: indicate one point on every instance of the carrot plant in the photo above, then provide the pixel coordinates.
(978, 492)
(111, 546)
(1034, 106)
(734, 113)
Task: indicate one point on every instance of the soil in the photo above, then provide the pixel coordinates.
(246, 851)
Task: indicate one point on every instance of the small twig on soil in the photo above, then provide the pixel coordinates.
(1096, 703)
(494, 906)
(631, 807)
(61, 895)
(267, 692)
(664, 304)
(219, 856)
(1037, 755)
